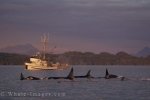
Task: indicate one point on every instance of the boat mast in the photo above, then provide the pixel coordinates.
(44, 40)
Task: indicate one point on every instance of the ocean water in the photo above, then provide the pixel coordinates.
(136, 88)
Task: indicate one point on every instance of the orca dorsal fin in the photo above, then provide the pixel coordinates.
(70, 75)
(21, 77)
(107, 73)
(88, 74)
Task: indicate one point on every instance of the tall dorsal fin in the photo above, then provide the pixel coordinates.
(21, 77)
(107, 73)
(70, 75)
(88, 75)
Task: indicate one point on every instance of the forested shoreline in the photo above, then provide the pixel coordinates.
(80, 58)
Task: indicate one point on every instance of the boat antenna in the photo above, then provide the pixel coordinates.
(44, 40)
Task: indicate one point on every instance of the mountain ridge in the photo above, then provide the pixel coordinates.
(143, 52)
(26, 49)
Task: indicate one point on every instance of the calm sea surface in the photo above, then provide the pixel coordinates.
(137, 88)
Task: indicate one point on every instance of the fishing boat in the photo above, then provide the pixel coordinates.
(39, 61)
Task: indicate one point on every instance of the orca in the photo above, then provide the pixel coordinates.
(108, 76)
(28, 78)
(70, 76)
(88, 75)
(21, 77)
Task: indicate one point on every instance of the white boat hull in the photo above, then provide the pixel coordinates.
(40, 68)
(44, 66)
(30, 66)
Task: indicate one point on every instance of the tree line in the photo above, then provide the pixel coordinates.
(12, 59)
(80, 58)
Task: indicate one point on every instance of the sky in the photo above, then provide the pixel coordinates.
(77, 25)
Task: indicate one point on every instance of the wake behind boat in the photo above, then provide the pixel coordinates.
(39, 61)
